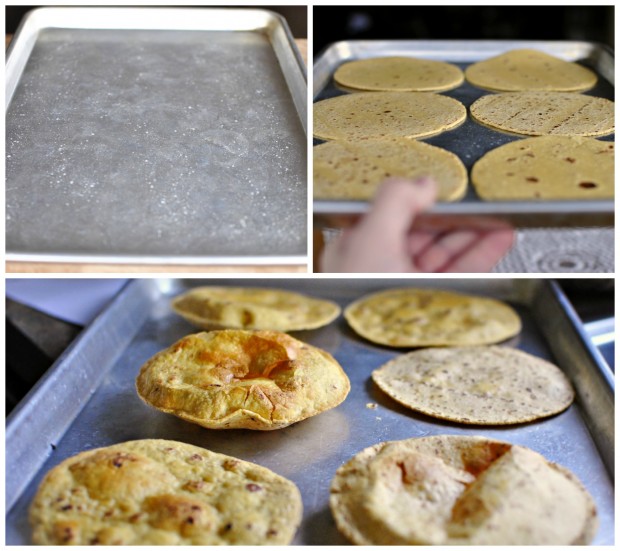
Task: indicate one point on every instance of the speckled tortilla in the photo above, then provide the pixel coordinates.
(213, 307)
(545, 113)
(161, 492)
(459, 490)
(478, 385)
(413, 317)
(231, 379)
(520, 70)
(354, 169)
(546, 167)
(399, 74)
(386, 114)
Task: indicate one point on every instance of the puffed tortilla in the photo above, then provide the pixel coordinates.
(162, 492)
(367, 115)
(412, 317)
(213, 307)
(237, 379)
(478, 385)
(546, 167)
(526, 69)
(398, 74)
(355, 169)
(459, 490)
(545, 113)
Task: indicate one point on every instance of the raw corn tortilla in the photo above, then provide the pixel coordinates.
(233, 379)
(399, 74)
(355, 169)
(413, 317)
(214, 307)
(478, 385)
(545, 113)
(459, 490)
(521, 70)
(546, 167)
(161, 492)
(369, 115)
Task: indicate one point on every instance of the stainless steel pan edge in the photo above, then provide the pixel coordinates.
(43, 411)
(293, 66)
(584, 364)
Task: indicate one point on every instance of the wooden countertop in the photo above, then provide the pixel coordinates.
(56, 267)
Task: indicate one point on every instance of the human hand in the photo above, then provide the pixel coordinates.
(386, 240)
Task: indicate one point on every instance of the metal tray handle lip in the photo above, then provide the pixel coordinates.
(344, 206)
(51, 12)
(93, 327)
(291, 40)
(579, 328)
(470, 45)
(21, 412)
(14, 64)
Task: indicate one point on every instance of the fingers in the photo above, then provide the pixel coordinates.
(396, 205)
(444, 250)
(485, 254)
(464, 251)
(384, 240)
(379, 241)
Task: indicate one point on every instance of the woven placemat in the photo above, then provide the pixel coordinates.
(574, 250)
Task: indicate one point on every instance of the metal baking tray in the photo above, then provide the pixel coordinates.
(88, 398)
(156, 136)
(471, 140)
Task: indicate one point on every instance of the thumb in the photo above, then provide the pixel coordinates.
(396, 205)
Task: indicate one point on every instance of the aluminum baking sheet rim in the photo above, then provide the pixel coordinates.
(187, 19)
(146, 292)
(459, 51)
(152, 260)
(244, 19)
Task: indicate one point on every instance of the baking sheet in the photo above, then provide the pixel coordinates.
(156, 136)
(471, 140)
(88, 399)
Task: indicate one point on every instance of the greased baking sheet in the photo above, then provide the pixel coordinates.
(470, 141)
(88, 398)
(156, 135)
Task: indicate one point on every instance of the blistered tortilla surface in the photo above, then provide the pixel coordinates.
(411, 317)
(232, 379)
(162, 492)
(459, 490)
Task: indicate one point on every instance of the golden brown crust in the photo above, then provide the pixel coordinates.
(161, 492)
(459, 490)
(411, 317)
(261, 380)
(212, 307)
